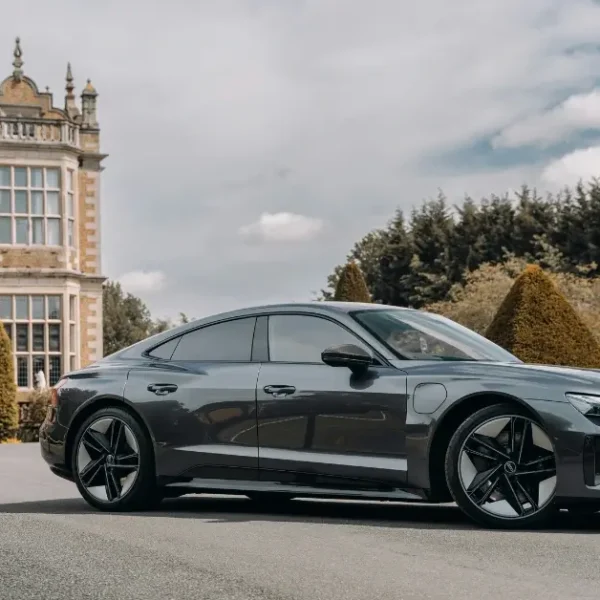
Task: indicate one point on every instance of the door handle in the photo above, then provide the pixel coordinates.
(278, 391)
(162, 389)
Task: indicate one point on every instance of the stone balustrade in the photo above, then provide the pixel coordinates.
(38, 131)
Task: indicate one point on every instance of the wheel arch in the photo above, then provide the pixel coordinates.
(449, 423)
(95, 405)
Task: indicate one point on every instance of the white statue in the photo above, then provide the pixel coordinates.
(40, 380)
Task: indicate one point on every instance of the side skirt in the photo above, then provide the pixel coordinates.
(222, 486)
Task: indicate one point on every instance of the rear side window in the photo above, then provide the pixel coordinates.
(228, 341)
(165, 351)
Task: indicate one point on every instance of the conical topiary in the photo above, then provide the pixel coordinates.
(9, 411)
(351, 286)
(536, 323)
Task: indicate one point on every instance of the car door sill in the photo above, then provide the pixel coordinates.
(218, 486)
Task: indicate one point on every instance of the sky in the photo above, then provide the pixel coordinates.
(252, 142)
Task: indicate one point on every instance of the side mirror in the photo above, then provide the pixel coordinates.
(350, 356)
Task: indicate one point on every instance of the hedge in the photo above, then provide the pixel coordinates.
(536, 323)
(9, 411)
(351, 286)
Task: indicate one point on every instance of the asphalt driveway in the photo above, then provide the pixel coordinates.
(53, 547)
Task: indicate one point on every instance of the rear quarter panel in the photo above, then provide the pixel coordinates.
(87, 388)
(83, 393)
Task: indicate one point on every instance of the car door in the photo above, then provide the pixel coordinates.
(198, 393)
(325, 426)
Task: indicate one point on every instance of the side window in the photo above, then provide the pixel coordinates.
(228, 341)
(302, 338)
(165, 351)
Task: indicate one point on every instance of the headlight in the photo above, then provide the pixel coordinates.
(586, 405)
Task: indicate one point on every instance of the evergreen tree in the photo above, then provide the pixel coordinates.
(395, 259)
(467, 243)
(9, 410)
(351, 286)
(570, 234)
(538, 325)
(429, 276)
(416, 261)
(475, 301)
(126, 318)
(367, 252)
(534, 217)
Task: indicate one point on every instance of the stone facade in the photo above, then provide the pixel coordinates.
(50, 247)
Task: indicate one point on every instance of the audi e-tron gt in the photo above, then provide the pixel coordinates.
(329, 400)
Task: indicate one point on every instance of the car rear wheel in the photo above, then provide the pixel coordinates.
(501, 468)
(113, 463)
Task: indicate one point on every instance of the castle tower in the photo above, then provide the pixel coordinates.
(50, 268)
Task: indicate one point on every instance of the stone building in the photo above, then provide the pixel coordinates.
(50, 268)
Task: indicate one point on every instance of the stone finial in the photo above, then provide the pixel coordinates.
(88, 106)
(89, 89)
(70, 85)
(70, 102)
(18, 62)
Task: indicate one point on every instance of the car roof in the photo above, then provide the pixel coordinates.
(315, 306)
(326, 305)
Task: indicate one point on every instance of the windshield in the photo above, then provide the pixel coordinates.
(416, 335)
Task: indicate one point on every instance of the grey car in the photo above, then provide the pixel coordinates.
(329, 400)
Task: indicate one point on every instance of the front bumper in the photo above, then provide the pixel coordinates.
(53, 438)
(577, 444)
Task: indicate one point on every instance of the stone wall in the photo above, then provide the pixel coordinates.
(89, 242)
(32, 258)
(90, 334)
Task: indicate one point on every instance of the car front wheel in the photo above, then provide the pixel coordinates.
(113, 463)
(501, 468)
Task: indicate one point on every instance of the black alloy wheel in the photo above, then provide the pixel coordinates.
(501, 468)
(112, 463)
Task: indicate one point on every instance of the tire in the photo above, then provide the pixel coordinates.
(110, 443)
(493, 481)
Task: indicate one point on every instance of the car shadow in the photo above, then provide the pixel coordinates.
(233, 509)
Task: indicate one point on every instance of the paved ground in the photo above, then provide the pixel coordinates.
(53, 547)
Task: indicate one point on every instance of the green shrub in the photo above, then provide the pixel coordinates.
(9, 411)
(351, 286)
(538, 325)
(33, 414)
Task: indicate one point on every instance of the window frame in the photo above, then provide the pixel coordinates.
(70, 209)
(72, 318)
(29, 216)
(148, 353)
(177, 339)
(378, 359)
(12, 324)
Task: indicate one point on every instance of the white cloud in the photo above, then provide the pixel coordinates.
(138, 282)
(327, 108)
(577, 113)
(569, 169)
(283, 227)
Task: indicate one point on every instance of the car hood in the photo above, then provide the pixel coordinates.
(544, 374)
(572, 373)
